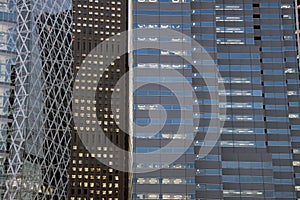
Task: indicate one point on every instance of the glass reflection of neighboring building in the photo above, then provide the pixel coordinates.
(157, 66)
(254, 45)
(35, 57)
(7, 62)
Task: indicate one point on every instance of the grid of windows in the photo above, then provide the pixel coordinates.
(257, 66)
(254, 46)
(93, 22)
(175, 15)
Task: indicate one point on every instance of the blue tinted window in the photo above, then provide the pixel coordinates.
(283, 181)
(164, 150)
(276, 107)
(270, 16)
(205, 36)
(291, 59)
(248, 179)
(271, 27)
(271, 37)
(285, 194)
(207, 102)
(283, 168)
(277, 72)
(275, 95)
(161, 93)
(166, 1)
(294, 104)
(147, 51)
(209, 186)
(157, 12)
(205, 88)
(269, 5)
(209, 171)
(243, 144)
(295, 139)
(229, 40)
(277, 119)
(273, 60)
(238, 68)
(292, 48)
(276, 27)
(273, 83)
(203, 23)
(246, 165)
(204, 62)
(278, 131)
(208, 157)
(288, 27)
(271, 49)
(238, 56)
(205, 75)
(204, 11)
(234, 7)
(235, 18)
(279, 143)
(241, 80)
(292, 81)
(235, 30)
(206, 115)
(281, 156)
(152, 79)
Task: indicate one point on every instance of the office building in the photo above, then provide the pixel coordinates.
(94, 22)
(253, 44)
(158, 88)
(36, 85)
(253, 50)
(8, 55)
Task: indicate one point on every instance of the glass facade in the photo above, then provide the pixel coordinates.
(35, 85)
(94, 22)
(8, 60)
(254, 46)
(153, 81)
(253, 53)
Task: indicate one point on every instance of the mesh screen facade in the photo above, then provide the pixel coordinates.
(38, 143)
(7, 56)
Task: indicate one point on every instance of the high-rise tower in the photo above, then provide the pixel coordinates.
(94, 22)
(38, 34)
(254, 46)
(161, 80)
(8, 56)
(253, 53)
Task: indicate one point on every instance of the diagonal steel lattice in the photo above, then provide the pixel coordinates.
(38, 144)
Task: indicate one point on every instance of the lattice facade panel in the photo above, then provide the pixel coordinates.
(40, 136)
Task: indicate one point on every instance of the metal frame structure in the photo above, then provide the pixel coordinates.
(40, 134)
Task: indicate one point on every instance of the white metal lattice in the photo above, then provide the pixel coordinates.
(38, 146)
